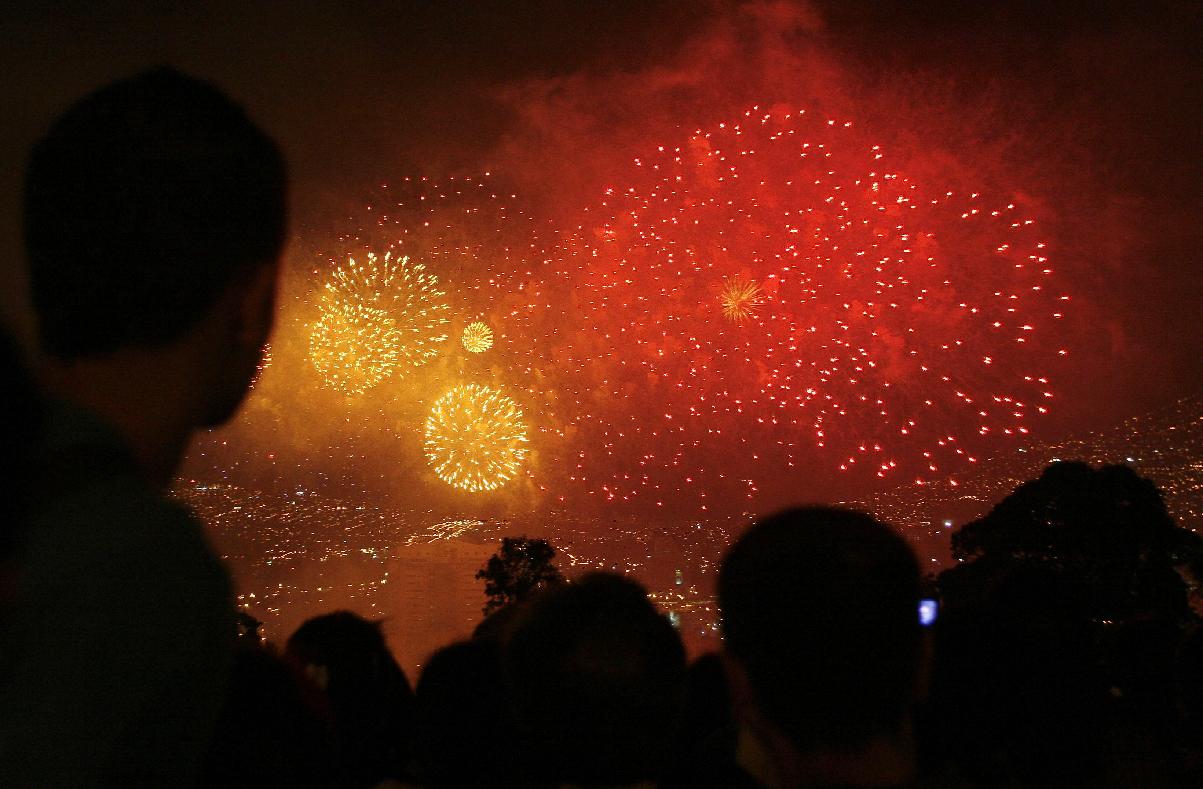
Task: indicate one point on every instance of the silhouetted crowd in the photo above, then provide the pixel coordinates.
(1066, 651)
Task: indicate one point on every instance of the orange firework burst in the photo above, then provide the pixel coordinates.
(475, 438)
(478, 337)
(354, 347)
(376, 318)
(740, 297)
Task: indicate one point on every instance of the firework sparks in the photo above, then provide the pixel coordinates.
(899, 330)
(377, 317)
(476, 228)
(478, 337)
(265, 361)
(476, 438)
(740, 298)
(354, 347)
(769, 295)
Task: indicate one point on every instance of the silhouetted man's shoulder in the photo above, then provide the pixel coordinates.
(93, 514)
(116, 651)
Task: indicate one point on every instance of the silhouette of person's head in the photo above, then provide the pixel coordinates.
(820, 626)
(463, 733)
(369, 694)
(271, 730)
(596, 679)
(707, 701)
(154, 218)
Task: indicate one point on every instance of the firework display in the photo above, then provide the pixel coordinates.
(476, 233)
(477, 337)
(354, 347)
(476, 438)
(868, 321)
(763, 298)
(377, 317)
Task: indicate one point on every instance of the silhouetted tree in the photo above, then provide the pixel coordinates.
(1059, 633)
(522, 567)
(1106, 531)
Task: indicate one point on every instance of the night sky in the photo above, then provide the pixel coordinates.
(539, 127)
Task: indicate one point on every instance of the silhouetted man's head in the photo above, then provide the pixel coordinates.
(146, 204)
(596, 678)
(351, 653)
(819, 611)
(463, 734)
(347, 657)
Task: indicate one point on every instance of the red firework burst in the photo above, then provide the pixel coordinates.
(898, 329)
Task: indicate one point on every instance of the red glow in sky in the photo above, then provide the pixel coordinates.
(902, 329)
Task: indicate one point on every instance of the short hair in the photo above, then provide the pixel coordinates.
(819, 606)
(463, 733)
(142, 202)
(344, 642)
(361, 669)
(596, 677)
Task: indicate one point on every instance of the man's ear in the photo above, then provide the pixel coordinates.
(257, 305)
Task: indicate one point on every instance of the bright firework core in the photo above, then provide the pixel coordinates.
(740, 298)
(475, 438)
(478, 337)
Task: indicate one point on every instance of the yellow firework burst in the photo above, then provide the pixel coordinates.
(740, 298)
(475, 438)
(354, 347)
(478, 337)
(404, 291)
(377, 317)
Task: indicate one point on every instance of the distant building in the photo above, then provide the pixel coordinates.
(434, 596)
